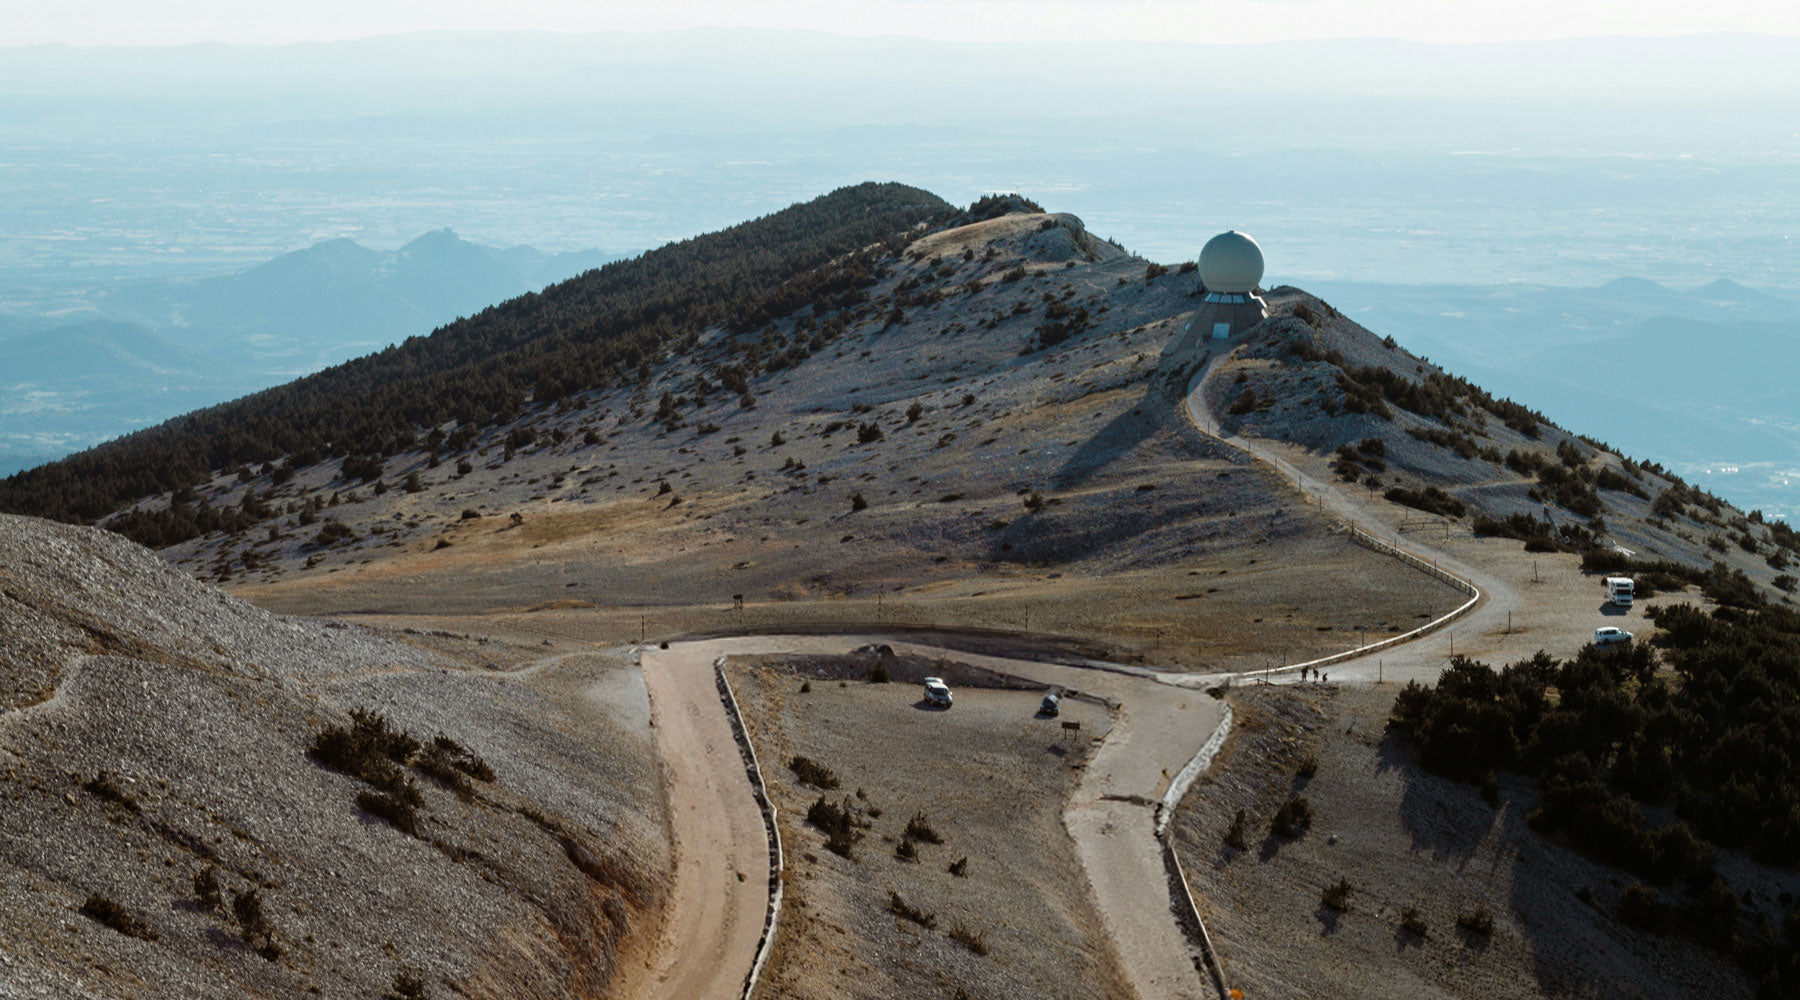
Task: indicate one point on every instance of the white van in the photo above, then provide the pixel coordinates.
(1620, 589)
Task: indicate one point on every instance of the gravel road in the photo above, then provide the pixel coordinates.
(714, 917)
(1111, 817)
(1529, 602)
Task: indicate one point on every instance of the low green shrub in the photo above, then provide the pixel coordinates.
(1293, 818)
(1337, 896)
(811, 772)
(919, 828)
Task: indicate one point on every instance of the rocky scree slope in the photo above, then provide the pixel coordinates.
(1000, 399)
(166, 832)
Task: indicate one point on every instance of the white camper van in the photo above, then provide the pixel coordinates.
(1619, 589)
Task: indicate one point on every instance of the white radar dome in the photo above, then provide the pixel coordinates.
(1231, 262)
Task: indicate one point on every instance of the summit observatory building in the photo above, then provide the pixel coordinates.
(1231, 267)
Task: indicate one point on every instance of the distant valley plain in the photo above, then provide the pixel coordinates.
(1491, 235)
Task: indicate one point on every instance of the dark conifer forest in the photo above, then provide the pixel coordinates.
(601, 329)
(1650, 758)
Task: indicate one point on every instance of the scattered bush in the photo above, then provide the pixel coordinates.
(399, 807)
(878, 674)
(1490, 788)
(253, 924)
(960, 867)
(407, 987)
(207, 893)
(836, 820)
(368, 749)
(900, 908)
(1245, 402)
(1430, 499)
(975, 942)
(1234, 835)
(868, 433)
(331, 532)
(1293, 818)
(1413, 923)
(811, 772)
(842, 843)
(906, 849)
(919, 828)
(1477, 921)
(449, 765)
(1309, 766)
(1462, 444)
(1337, 897)
(103, 910)
(857, 502)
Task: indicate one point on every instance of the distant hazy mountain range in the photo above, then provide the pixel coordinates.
(1702, 379)
(145, 351)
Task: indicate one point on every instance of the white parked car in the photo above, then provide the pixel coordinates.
(1609, 634)
(937, 692)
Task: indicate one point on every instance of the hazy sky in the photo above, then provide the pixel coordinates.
(135, 22)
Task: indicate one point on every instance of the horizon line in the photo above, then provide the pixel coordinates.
(892, 36)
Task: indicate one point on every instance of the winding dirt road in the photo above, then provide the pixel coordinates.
(710, 935)
(1521, 610)
(714, 916)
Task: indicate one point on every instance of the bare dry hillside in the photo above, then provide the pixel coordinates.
(952, 872)
(928, 456)
(166, 832)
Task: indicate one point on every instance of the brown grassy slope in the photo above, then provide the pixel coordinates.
(1403, 839)
(174, 739)
(991, 780)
